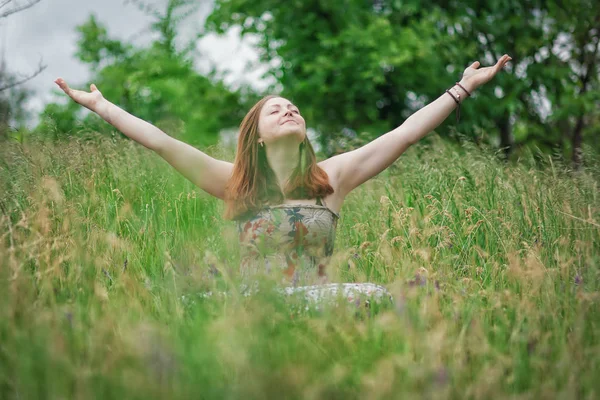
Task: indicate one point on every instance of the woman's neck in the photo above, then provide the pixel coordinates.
(283, 159)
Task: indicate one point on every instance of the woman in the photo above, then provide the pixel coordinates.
(285, 203)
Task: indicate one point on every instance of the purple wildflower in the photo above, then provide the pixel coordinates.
(442, 376)
(419, 280)
(213, 270)
(69, 317)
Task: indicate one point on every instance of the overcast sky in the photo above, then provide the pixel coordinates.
(47, 31)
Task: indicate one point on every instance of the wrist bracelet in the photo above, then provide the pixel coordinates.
(451, 95)
(457, 102)
(463, 88)
(457, 94)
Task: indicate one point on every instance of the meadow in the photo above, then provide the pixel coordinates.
(105, 250)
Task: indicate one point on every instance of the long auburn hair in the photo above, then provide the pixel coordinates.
(253, 183)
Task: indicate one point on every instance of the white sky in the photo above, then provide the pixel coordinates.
(47, 31)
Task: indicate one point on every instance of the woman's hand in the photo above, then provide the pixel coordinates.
(90, 100)
(473, 77)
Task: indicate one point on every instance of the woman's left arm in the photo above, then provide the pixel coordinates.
(357, 166)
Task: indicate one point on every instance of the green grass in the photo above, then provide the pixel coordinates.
(105, 248)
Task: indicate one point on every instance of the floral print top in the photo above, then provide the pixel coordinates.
(293, 239)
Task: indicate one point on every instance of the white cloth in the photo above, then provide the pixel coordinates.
(317, 294)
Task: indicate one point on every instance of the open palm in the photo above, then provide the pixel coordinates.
(87, 99)
(476, 76)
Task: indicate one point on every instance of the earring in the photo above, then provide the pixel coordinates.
(261, 144)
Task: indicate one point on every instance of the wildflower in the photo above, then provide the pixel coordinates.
(384, 200)
(441, 377)
(107, 275)
(396, 239)
(419, 280)
(213, 270)
(69, 317)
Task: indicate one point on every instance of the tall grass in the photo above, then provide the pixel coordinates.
(105, 249)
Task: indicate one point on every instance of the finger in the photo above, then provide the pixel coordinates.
(93, 87)
(505, 58)
(63, 85)
(500, 64)
(475, 65)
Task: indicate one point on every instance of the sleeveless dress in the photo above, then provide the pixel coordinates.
(296, 242)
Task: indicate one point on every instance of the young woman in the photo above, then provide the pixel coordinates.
(287, 205)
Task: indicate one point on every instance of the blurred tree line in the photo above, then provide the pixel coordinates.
(158, 83)
(358, 69)
(365, 66)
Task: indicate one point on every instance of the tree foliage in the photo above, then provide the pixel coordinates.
(367, 66)
(12, 102)
(158, 83)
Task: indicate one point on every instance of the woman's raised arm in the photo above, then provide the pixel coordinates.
(357, 166)
(206, 172)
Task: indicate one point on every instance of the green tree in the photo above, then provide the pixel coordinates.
(368, 65)
(344, 63)
(557, 59)
(158, 84)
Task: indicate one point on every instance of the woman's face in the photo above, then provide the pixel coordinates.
(279, 118)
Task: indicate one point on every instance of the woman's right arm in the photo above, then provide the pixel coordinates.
(206, 172)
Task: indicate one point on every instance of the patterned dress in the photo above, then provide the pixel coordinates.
(296, 242)
(293, 240)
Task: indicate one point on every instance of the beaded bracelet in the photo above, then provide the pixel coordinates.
(463, 88)
(457, 102)
(457, 99)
